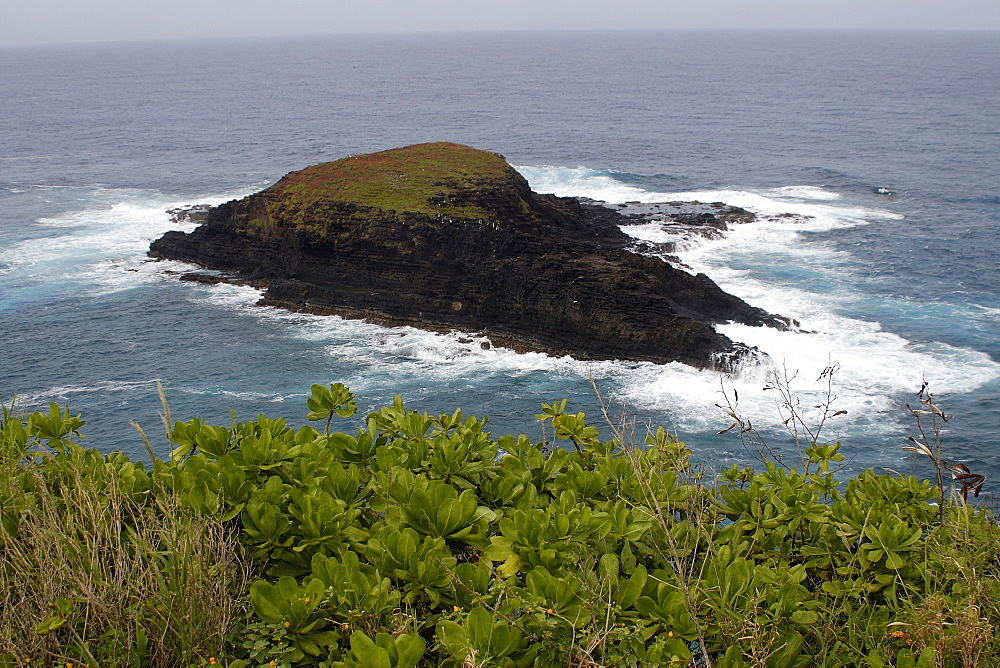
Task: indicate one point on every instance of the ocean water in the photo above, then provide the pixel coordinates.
(884, 146)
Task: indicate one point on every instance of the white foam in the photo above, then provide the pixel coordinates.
(805, 192)
(451, 353)
(404, 356)
(98, 249)
(272, 397)
(583, 182)
(231, 296)
(387, 358)
(986, 311)
(826, 216)
(99, 387)
(772, 264)
(653, 231)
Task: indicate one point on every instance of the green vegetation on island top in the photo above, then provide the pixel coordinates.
(421, 540)
(433, 179)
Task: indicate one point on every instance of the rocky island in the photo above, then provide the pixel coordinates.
(443, 236)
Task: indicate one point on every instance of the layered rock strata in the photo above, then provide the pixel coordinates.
(443, 236)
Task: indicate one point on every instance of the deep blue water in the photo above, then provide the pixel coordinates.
(98, 141)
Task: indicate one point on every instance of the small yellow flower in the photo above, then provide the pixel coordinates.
(212, 661)
(273, 663)
(550, 611)
(306, 600)
(670, 634)
(456, 608)
(287, 624)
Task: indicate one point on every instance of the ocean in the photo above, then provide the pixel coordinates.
(884, 146)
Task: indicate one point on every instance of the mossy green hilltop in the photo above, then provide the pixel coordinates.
(433, 179)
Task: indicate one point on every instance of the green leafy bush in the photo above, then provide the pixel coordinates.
(422, 540)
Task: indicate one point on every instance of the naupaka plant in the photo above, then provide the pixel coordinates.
(417, 539)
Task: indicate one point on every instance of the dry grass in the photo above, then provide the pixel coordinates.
(146, 586)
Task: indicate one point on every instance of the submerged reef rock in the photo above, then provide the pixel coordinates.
(442, 236)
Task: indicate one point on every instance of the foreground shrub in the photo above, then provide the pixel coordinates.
(422, 540)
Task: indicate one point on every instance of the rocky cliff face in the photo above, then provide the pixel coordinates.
(445, 236)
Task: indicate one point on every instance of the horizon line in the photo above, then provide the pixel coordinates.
(495, 31)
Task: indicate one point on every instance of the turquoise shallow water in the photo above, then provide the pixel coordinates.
(100, 140)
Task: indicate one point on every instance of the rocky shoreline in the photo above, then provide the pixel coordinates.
(487, 255)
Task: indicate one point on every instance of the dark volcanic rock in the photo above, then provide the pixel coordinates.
(443, 236)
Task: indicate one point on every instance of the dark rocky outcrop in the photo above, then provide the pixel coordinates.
(443, 236)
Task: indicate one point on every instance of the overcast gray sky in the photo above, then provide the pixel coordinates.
(57, 21)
